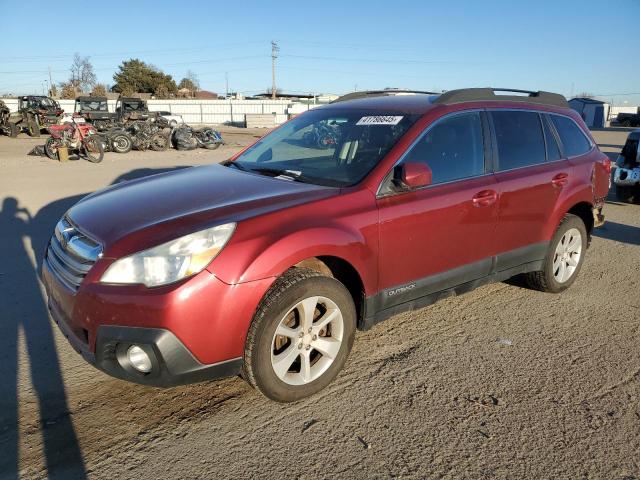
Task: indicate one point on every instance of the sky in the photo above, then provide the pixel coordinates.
(564, 46)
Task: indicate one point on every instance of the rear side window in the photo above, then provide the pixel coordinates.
(574, 141)
(520, 139)
(453, 148)
(553, 151)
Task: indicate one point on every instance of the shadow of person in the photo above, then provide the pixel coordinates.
(23, 311)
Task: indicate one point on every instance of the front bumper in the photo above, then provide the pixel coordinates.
(172, 363)
(192, 331)
(627, 176)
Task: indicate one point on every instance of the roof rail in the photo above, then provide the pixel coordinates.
(488, 94)
(379, 93)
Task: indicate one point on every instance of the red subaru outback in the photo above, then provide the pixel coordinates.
(266, 264)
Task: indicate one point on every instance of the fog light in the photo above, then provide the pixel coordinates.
(139, 359)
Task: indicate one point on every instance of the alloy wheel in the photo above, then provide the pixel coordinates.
(307, 340)
(567, 255)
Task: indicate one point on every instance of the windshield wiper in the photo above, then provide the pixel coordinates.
(277, 172)
(239, 166)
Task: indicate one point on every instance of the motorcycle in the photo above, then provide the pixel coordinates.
(147, 135)
(78, 137)
(187, 138)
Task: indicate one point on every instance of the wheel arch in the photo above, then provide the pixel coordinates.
(344, 272)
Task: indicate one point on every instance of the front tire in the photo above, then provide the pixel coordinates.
(300, 337)
(564, 257)
(14, 130)
(92, 149)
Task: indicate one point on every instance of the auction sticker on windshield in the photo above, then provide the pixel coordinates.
(380, 120)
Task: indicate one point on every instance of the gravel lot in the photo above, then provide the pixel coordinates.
(499, 383)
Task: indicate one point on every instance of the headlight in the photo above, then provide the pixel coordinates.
(171, 261)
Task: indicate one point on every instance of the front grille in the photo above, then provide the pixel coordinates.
(71, 254)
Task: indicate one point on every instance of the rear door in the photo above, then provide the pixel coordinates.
(443, 234)
(531, 173)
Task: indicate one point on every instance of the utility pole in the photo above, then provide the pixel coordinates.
(50, 80)
(226, 84)
(274, 54)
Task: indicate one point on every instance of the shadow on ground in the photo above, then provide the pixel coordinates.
(24, 311)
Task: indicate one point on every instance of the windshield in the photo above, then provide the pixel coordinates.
(130, 106)
(93, 105)
(333, 147)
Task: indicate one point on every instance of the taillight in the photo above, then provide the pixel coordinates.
(606, 163)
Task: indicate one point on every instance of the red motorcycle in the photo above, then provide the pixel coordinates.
(78, 137)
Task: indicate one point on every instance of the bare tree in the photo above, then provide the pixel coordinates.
(82, 76)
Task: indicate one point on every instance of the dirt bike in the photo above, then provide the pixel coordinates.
(77, 137)
(187, 138)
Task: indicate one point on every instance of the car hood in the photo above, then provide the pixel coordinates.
(168, 205)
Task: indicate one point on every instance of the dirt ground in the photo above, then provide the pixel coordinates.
(503, 382)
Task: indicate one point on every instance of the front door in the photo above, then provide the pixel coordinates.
(444, 234)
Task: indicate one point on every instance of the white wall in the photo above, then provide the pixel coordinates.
(206, 111)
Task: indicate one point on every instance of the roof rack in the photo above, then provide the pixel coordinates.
(488, 94)
(379, 93)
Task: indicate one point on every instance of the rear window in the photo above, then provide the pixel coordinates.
(553, 151)
(574, 141)
(520, 139)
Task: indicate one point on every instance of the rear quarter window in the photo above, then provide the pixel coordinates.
(520, 139)
(574, 141)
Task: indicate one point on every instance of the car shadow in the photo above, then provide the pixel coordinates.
(619, 232)
(24, 315)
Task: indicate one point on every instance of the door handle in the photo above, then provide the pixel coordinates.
(484, 198)
(560, 180)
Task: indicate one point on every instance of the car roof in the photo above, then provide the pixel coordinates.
(421, 102)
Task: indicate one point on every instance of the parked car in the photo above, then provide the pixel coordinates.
(173, 119)
(628, 119)
(627, 174)
(266, 265)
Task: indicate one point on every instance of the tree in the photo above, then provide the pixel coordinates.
(136, 76)
(99, 90)
(82, 76)
(67, 91)
(53, 91)
(190, 82)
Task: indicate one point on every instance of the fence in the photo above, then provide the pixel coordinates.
(207, 111)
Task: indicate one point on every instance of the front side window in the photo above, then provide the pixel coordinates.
(334, 147)
(453, 148)
(574, 141)
(519, 137)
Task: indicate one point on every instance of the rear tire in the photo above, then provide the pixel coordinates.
(564, 257)
(51, 148)
(289, 366)
(628, 193)
(34, 128)
(14, 130)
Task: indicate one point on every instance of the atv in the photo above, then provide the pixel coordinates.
(6, 126)
(35, 112)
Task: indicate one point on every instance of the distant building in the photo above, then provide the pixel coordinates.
(206, 95)
(594, 112)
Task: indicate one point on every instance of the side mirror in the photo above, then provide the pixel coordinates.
(412, 175)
